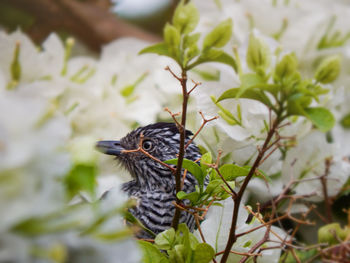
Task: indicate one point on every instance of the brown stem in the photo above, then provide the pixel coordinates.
(261, 226)
(258, 245)
(199, 228)
(232, 193)
(182, 130)
(232, 235)
(325, 191)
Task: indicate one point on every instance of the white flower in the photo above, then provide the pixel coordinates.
(216, 228)
(43, 114)
(307, 162)
(30, 158)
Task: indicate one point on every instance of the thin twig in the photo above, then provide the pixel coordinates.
(140, 149)
(173, 116)
(199, 228)
(325, 190)
(232, 235)
(172, 73)
(205, 121)
(196, 84)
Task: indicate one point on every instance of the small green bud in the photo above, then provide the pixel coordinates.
(328, 70)
(58, 253)
(186, 17)
(50, 113)
(172, 38)
(191, 40)
(286, 67)
(67, 52)
(345, 121)
(16, 66)
(258, 54)
(128, 90)
(331, 233)
(219, 36)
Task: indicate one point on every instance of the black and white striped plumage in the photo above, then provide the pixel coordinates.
(153, 184)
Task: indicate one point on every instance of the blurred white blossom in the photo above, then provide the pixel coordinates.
(307, 162)
(52, 110)
(216, 229)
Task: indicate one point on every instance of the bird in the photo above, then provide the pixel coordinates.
(153, 184)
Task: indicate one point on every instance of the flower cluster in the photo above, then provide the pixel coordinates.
(279, 77)
(53, 109)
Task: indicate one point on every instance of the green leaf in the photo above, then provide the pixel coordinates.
(252, 87)
(345, 121)
(193, 241)
(322, 118)
(203, 253)
(218, 188)
(219, 36)
(328, 70)
(231, 171)
(172, 38)
(166, 239)
(178, 254)
(190, 54)
(295, 102)
(286, 67)
(151, 254)
(50, 223)
(15, 65)
(206, 159)
(215, 55)
(82, 177)
(214, 187)
(226, 59)
(160, 49)
(225, 113)
(128, 90)
(129, 217)
(248, 81)
(252, 94)
(207, 75)
(190, 40)
(186, 17)
(193, 197)
(186, 250)
(192, 167)
(258, 54)
(191, 48)
(210, 55)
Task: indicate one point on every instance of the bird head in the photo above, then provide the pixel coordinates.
(160, 140)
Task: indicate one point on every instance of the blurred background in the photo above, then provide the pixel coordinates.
(92, 22)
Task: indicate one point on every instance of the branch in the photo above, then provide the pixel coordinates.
(232, 235)
(325, 191)
(182, 131)
(205, 121)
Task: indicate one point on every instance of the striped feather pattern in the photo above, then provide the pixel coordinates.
(154, 184)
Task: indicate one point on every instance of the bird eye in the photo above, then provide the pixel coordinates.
(147, 145)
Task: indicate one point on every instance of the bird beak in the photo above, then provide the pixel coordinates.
(110, 147)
